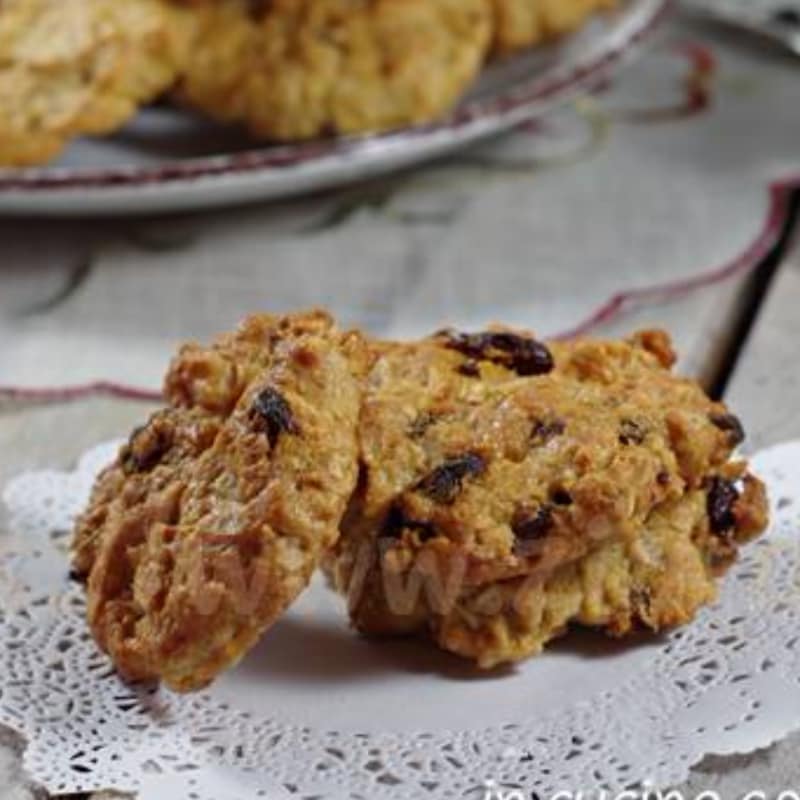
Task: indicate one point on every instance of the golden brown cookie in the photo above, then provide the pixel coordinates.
(523, 23)
(211, 522)
(73, 67)
(297, 69)
(509, 487)
(207, 382)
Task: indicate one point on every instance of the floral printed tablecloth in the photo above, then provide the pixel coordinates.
(655, 187)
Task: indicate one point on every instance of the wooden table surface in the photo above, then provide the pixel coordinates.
(709, 255)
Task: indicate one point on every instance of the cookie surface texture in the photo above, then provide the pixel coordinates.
(217, 512)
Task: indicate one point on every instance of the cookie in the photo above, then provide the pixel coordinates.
(487, 490)
(522, 23)
(298, 69)
(510, 487)
(79, 67)
(206, 382)
(216, 513)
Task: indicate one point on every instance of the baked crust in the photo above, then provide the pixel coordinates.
(524, 23)
(74, 67)
(487, 490)
(298, 69)
(214, 516)
(599, 491)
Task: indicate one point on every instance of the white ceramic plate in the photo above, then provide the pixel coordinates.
(170, 161)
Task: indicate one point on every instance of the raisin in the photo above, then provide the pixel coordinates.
(662, 479)
(77, 577)
(561, 497)
(397, 522)
(631, 432)
(256, 9)
(521, 354)
(469, 369)
(721, 498)
(146, 447)
(731, 425)
(529, 524)
(445, 482)
(272, 414)
(543, 432)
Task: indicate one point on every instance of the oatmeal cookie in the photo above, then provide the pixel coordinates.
(73, 67)
(216, 513)
(297, 69)
(509, 487)
(523, 23)
(207, 382)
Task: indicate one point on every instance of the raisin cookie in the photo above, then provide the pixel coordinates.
(523, 23)
(202, 387)
(509, 488)
(298, 69)
(216, 513)
(73, 67)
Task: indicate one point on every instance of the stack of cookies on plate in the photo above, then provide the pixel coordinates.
(285, 69)
(485, 490)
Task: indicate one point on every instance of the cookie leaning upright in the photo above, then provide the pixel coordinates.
(216, 513)
(297, 69)
(511, 488)
(73, 67)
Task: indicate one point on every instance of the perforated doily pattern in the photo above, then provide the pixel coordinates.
(728, 683)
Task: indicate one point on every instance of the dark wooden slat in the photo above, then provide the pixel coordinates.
(765, 385)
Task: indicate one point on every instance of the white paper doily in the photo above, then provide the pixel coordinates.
(317, 712)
